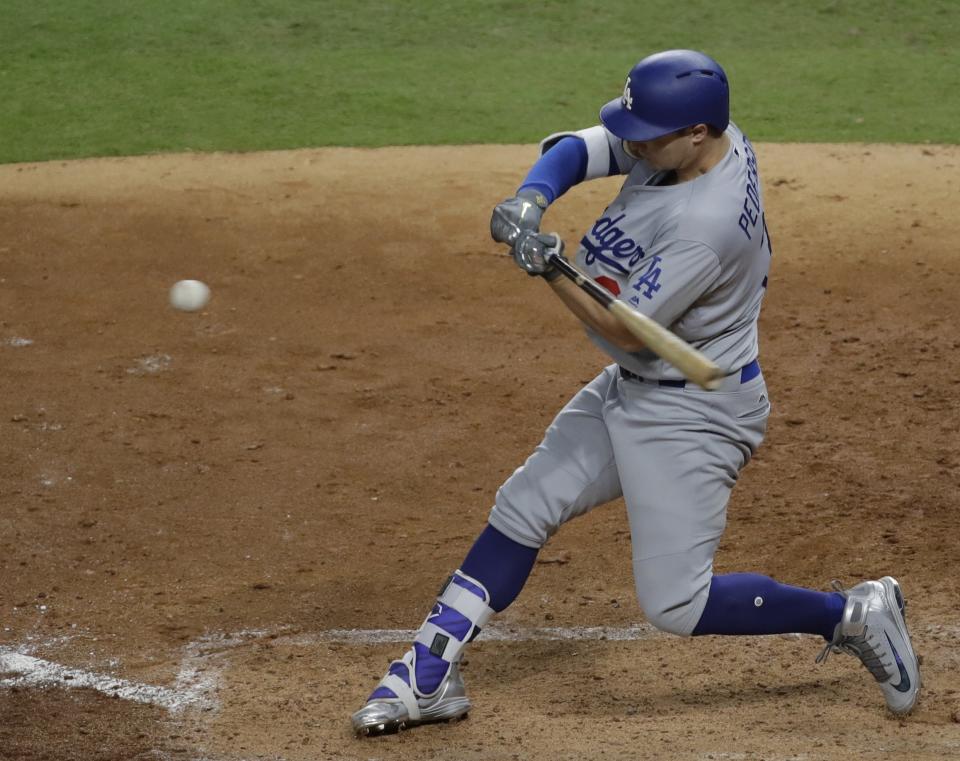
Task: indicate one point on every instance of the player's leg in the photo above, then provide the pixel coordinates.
(866, 621)
(677, 471)
(571, 471)
(687, 458)
(750, 603)
(686, 450)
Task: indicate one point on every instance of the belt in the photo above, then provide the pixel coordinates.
(747, 373)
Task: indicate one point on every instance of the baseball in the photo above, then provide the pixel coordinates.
(189, 295)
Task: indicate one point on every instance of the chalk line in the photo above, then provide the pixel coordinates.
(36, 672)
(490, 634)
(201, 665)
(204, 660)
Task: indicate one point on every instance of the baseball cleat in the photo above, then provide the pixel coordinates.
(394, 705)
(873, 629)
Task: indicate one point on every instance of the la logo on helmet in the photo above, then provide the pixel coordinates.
(627, 96)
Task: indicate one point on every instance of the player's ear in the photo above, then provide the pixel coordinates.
(698, 133)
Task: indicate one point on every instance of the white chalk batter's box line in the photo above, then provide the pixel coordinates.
(203, 660)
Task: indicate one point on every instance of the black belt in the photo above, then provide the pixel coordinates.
(747, 373)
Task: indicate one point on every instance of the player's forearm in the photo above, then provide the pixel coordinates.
(561, 167)
(594, 315)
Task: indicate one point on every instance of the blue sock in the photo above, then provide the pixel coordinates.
(748, 603)
(500, 564)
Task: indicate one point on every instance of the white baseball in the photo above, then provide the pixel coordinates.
(189, 295)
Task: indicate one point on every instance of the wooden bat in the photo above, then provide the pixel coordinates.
(694, 365)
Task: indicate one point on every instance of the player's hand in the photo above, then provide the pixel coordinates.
(533, 253)
(515, 215)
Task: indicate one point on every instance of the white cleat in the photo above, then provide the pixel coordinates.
(874, 630)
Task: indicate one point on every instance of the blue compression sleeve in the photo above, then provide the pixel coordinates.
(748, 603)
(500, 564)
(559, 169)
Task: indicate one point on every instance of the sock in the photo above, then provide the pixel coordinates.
(500, 564)
(748, 603)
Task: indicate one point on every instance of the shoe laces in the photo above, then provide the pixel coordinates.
(864, 646)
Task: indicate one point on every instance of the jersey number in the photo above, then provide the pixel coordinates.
(650, 279)
(766, 235)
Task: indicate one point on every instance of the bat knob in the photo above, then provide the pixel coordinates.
(554, 247)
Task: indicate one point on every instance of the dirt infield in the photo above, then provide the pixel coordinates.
(197, 511)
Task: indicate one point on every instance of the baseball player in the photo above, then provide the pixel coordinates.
(686, 243)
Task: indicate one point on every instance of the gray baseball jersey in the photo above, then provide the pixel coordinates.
(693, 256)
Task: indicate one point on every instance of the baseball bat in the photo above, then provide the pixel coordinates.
(693, 364)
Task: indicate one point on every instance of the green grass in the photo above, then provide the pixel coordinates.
(91, 78)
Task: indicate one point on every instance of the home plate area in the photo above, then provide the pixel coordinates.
(219, 526)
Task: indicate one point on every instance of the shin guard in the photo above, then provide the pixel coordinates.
(461, 610)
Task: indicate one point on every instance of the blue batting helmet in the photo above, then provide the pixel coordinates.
(666, 92)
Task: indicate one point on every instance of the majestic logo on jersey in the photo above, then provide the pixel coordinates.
(627, 99)
(610, 245)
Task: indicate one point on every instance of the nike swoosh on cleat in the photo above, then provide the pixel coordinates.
(904, 685)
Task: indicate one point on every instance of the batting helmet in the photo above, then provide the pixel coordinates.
(666, 92)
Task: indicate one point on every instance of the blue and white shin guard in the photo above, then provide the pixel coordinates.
(420, 679)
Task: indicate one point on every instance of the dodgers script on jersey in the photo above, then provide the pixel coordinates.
(693, 256)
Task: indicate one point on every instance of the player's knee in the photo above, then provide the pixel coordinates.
(673, 620)
(528, 527)
(671, 601)
(534, 501)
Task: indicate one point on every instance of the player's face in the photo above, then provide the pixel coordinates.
(668, 152)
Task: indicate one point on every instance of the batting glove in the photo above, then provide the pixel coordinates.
(515, 215)
(534, 253)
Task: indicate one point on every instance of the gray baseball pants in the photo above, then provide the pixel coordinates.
(674, 454)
